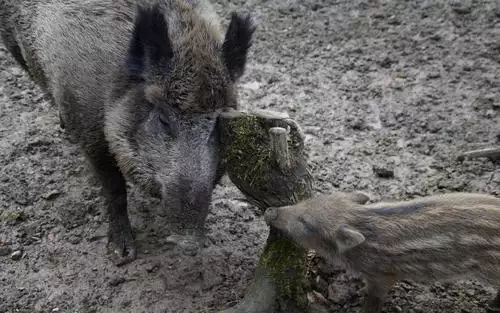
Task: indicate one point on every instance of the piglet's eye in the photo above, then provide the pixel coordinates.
(306, 223)
(163, 120)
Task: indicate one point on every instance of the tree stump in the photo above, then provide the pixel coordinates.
(263, 153)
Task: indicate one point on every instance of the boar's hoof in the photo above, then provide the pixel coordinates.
(189, 244)
(121, 247)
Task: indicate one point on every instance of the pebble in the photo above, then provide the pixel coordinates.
(115, 281)
(16, 255)
(461, 6)
(74, 239)
(386, 61)
(51, 195)
(383, 172)
(433, 75)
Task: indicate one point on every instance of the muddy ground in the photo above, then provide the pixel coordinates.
(397, 85)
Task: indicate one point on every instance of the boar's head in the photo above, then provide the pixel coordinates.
(320, 223)
(161, 125)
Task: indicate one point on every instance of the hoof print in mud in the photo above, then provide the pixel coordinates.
(187, 244)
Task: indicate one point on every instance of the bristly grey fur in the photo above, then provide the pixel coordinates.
(138, 85)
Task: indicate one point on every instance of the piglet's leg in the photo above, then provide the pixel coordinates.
(494, 305)
(375, 295)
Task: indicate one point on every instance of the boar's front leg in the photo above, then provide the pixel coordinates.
(121, 243)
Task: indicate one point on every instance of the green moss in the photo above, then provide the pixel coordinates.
(248, 155)
(287, 263)
(248, 160)
(12, 216)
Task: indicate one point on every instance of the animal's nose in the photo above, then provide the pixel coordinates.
(270, 215)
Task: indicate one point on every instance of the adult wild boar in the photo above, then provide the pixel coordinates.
(444, 237)
(138, 85)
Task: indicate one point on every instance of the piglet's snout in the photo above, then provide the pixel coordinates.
(270, 215)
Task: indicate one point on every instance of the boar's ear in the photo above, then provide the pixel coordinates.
(358, 197)
(236, 44)
(150, 47)
(347, 238)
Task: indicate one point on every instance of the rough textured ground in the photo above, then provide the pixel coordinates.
(397, 85)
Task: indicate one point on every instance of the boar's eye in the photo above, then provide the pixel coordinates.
(307, 225)
(163, 120)
(166, 123)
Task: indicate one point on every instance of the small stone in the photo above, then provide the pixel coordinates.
(55, 310)
(433, 75)
(383, 172)
(386, 62)
(74, 239)
(327, 142)
(319, 297)
(151, 268)
(461, 6)
(115, 281)
(393, 20)
(16, 255)
(435, 37)
(51, 195)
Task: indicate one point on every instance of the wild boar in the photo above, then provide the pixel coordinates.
(138, 85)
(444, 237)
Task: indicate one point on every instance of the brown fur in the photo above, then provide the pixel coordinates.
(437, 238)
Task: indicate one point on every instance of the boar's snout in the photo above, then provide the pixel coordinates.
(270, 215)
(190, 171)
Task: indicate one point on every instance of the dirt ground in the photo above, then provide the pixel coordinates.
(400, 86)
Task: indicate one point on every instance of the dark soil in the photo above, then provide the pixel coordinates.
(388, 93)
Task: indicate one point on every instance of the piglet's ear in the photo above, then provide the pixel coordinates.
(150, 48)
(237, 42)
(347, 238)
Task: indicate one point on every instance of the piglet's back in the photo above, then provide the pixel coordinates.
(440, 237)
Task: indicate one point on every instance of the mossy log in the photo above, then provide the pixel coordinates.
(263, 153)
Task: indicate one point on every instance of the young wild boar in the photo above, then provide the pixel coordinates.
(438, 238)
(138, 84)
